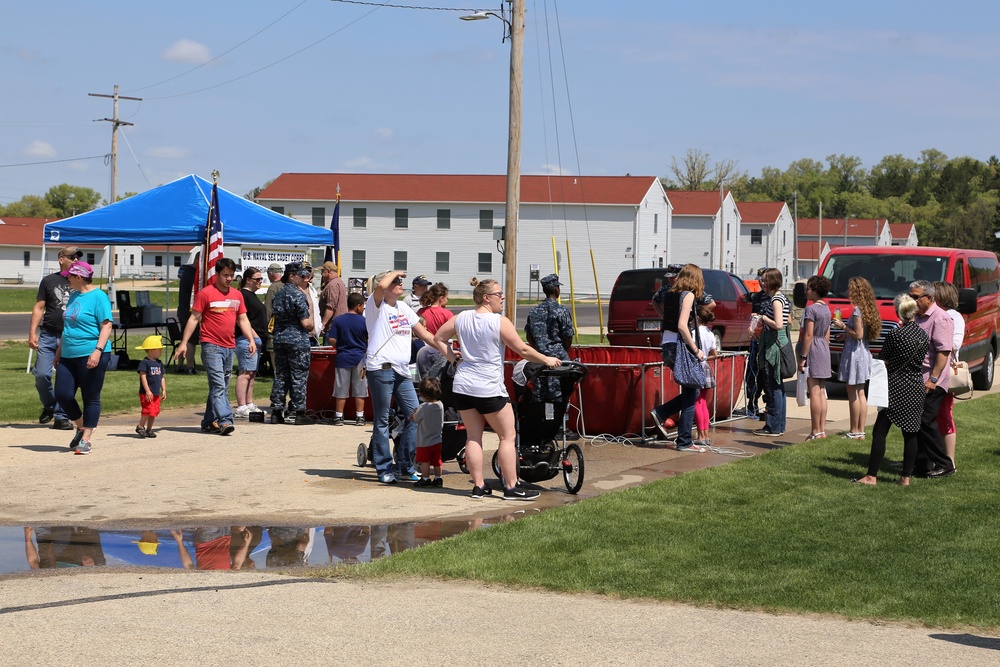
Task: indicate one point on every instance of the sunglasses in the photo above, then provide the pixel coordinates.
(397, 281)
(918, 297)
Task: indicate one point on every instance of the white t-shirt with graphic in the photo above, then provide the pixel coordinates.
(390, 330)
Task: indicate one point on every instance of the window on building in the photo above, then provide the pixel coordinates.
(131, 260)
(360, 218)
(27, 258)
(357, 260)
(442, 262)
(756, 236)
(319, 216)
(784, 238)
(402, 218)
(486, 220)
(158, 260)
(444, 218)
(485, 263)
(90, 258)
(177, 260)
(278, 209)
(727, 231)
(656, 223)
(399, 260)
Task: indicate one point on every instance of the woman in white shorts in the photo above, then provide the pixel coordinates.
(479, 391)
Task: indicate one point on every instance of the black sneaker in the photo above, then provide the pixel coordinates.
(338, 421)
(480, 492)
(302, 419)
(75, 442)
(438, 482)
(277, 416)
(141, 432)
(47, 415)
(63, 425)
(424, 481)
(359, 421)
(150, 433)
(517, 493)
(225, 429)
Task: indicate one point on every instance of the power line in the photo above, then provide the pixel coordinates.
(224, 52)
(74, 159)
(433, 9)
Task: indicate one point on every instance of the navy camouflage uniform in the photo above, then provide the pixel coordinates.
(291, 348)
(548, 325)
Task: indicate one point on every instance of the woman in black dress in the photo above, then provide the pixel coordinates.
(903, 353)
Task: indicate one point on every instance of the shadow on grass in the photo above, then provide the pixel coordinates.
(974, 641)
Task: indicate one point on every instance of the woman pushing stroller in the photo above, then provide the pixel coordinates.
(479, 391)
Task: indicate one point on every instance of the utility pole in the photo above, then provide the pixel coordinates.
(819, 243)
(795, 235)
(115, 123)
(722, 214)
(512, 205)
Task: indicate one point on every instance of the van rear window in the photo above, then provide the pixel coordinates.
(638, 286)
(889, 274)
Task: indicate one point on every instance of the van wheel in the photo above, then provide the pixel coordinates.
(718, 338)
(982, 379)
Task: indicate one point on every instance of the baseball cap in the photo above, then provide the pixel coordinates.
(421, 280)
(81, 269)
(274, 267)
(71, 251)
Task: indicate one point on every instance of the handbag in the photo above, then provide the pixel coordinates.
(960, 382)
(688, 370)
(878, 385)
(787, 363)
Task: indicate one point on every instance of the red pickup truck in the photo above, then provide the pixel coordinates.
(891, 269)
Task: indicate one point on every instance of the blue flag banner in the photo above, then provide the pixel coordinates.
(333, 252)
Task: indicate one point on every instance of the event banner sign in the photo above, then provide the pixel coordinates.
(261, 258)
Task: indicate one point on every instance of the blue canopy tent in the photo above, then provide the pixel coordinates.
(175, 214)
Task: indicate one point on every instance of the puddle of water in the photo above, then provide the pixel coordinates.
(225, 547)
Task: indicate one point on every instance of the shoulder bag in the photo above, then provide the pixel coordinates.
(688, 370)
(960, 382)
(787, 365)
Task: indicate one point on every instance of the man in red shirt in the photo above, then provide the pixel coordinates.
(219, 309)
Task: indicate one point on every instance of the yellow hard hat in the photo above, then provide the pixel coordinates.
(153, 342)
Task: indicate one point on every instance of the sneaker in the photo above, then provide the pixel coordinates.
(767, 433)
(277, 416)
(359, 421)
(706, 442)
(225, 429)
(438, 482)
(338, 421)
(659, 425)
(140, 431)
(241, 412)
(63, 425)
(253, 408)
(387, 479)
(424, 481)
(47, 415)
(211, 428)
(75, 442)
(84, 448)
(480, 492)
(412, 477)
(518, 493)
(302, 419)
(150, 434)
(690, 448)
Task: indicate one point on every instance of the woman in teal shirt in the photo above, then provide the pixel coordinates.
(83, 354)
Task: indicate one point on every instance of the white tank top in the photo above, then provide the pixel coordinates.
(480, 373)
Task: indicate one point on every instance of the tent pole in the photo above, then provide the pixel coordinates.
(166, 307)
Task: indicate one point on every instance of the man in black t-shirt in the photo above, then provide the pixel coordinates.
(46, 332)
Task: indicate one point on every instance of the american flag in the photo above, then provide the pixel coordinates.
(213, 239)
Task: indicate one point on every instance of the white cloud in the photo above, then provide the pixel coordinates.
(39, 148)
(384, 134)
(186, 51)
(168, 152)
(78, 166)
(554, 170)
(362, 163)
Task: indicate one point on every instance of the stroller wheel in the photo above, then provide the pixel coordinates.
(572, 464)
(460, 459)
(362, 455)
(496, 465)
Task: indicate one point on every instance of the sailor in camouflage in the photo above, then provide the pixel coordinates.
(292, 325)
(550, 331)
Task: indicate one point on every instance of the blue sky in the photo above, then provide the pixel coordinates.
(414, 91)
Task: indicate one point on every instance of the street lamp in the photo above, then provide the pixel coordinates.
(515, 30)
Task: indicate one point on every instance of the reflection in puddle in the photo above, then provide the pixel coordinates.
(223, 548)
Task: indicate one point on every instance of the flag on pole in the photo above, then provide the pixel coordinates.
(213, 238)
(333, 252)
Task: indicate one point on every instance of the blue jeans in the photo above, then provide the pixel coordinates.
(47, 344)
(73, 374)
(218, 363)
(683, 403)
(774, 389)
(383, 385)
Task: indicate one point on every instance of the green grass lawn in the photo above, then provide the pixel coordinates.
(22, 299)
(785, 531)
(19, 400)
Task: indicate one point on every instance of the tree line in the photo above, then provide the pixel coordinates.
(953, 202)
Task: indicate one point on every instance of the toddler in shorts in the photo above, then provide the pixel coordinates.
(152, 385)
(429, 417)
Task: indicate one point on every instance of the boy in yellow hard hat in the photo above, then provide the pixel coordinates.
(152, 385)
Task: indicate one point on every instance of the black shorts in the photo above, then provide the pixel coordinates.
(484, 406)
